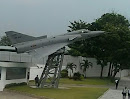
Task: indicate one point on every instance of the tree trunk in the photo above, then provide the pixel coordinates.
(115, 72)
(109, 72)
(70, 74)
(101, 71)
(85, 75)
(113, 77)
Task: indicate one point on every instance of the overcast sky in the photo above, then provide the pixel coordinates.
(51, 17)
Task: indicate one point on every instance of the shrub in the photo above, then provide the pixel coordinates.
(15, 84)
(77, 76)
(64, 73)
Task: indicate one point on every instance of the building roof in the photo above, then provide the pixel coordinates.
(7, 48)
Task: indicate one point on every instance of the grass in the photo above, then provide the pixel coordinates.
(87, 81)
(84, 92)
(71, 93)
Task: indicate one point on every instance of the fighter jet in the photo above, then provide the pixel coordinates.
(43, 46)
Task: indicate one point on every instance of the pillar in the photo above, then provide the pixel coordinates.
(3, 78)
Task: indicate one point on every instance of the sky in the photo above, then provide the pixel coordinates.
(52, 17)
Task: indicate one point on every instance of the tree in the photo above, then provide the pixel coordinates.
(84, 65)
(109, 20)
(64, 73)
(102, 63)
(77, 25)
(76, 47)
(113, 43)
(5, 41)
(71, 66)
(108, 47)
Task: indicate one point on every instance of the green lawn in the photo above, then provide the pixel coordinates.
(71, 93)
(88, 81)
(86, 92)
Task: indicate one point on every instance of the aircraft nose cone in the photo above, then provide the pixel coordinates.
(92, 34)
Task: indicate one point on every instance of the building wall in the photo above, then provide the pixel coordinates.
(123, 73)
(93, 71)
(34, 71)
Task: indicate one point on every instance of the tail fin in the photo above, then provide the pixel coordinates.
(16, 37)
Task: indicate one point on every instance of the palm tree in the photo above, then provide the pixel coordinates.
(71, 66)
(86, 64)
(77, 25)
(102, 63)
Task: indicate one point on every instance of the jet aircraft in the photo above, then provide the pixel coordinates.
(43, 46)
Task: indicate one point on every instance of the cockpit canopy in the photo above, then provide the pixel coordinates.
(78, 32)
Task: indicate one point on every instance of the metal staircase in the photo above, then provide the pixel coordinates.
(51, 73)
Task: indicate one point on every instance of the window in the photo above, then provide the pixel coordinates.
(15, 73)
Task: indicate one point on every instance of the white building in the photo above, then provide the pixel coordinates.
(13, 67)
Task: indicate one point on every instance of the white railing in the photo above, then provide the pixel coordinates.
(13, 56)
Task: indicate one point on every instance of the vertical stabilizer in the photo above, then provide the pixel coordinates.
(16, 37)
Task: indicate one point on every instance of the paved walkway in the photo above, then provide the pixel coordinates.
(13, 95)
(112, 93)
